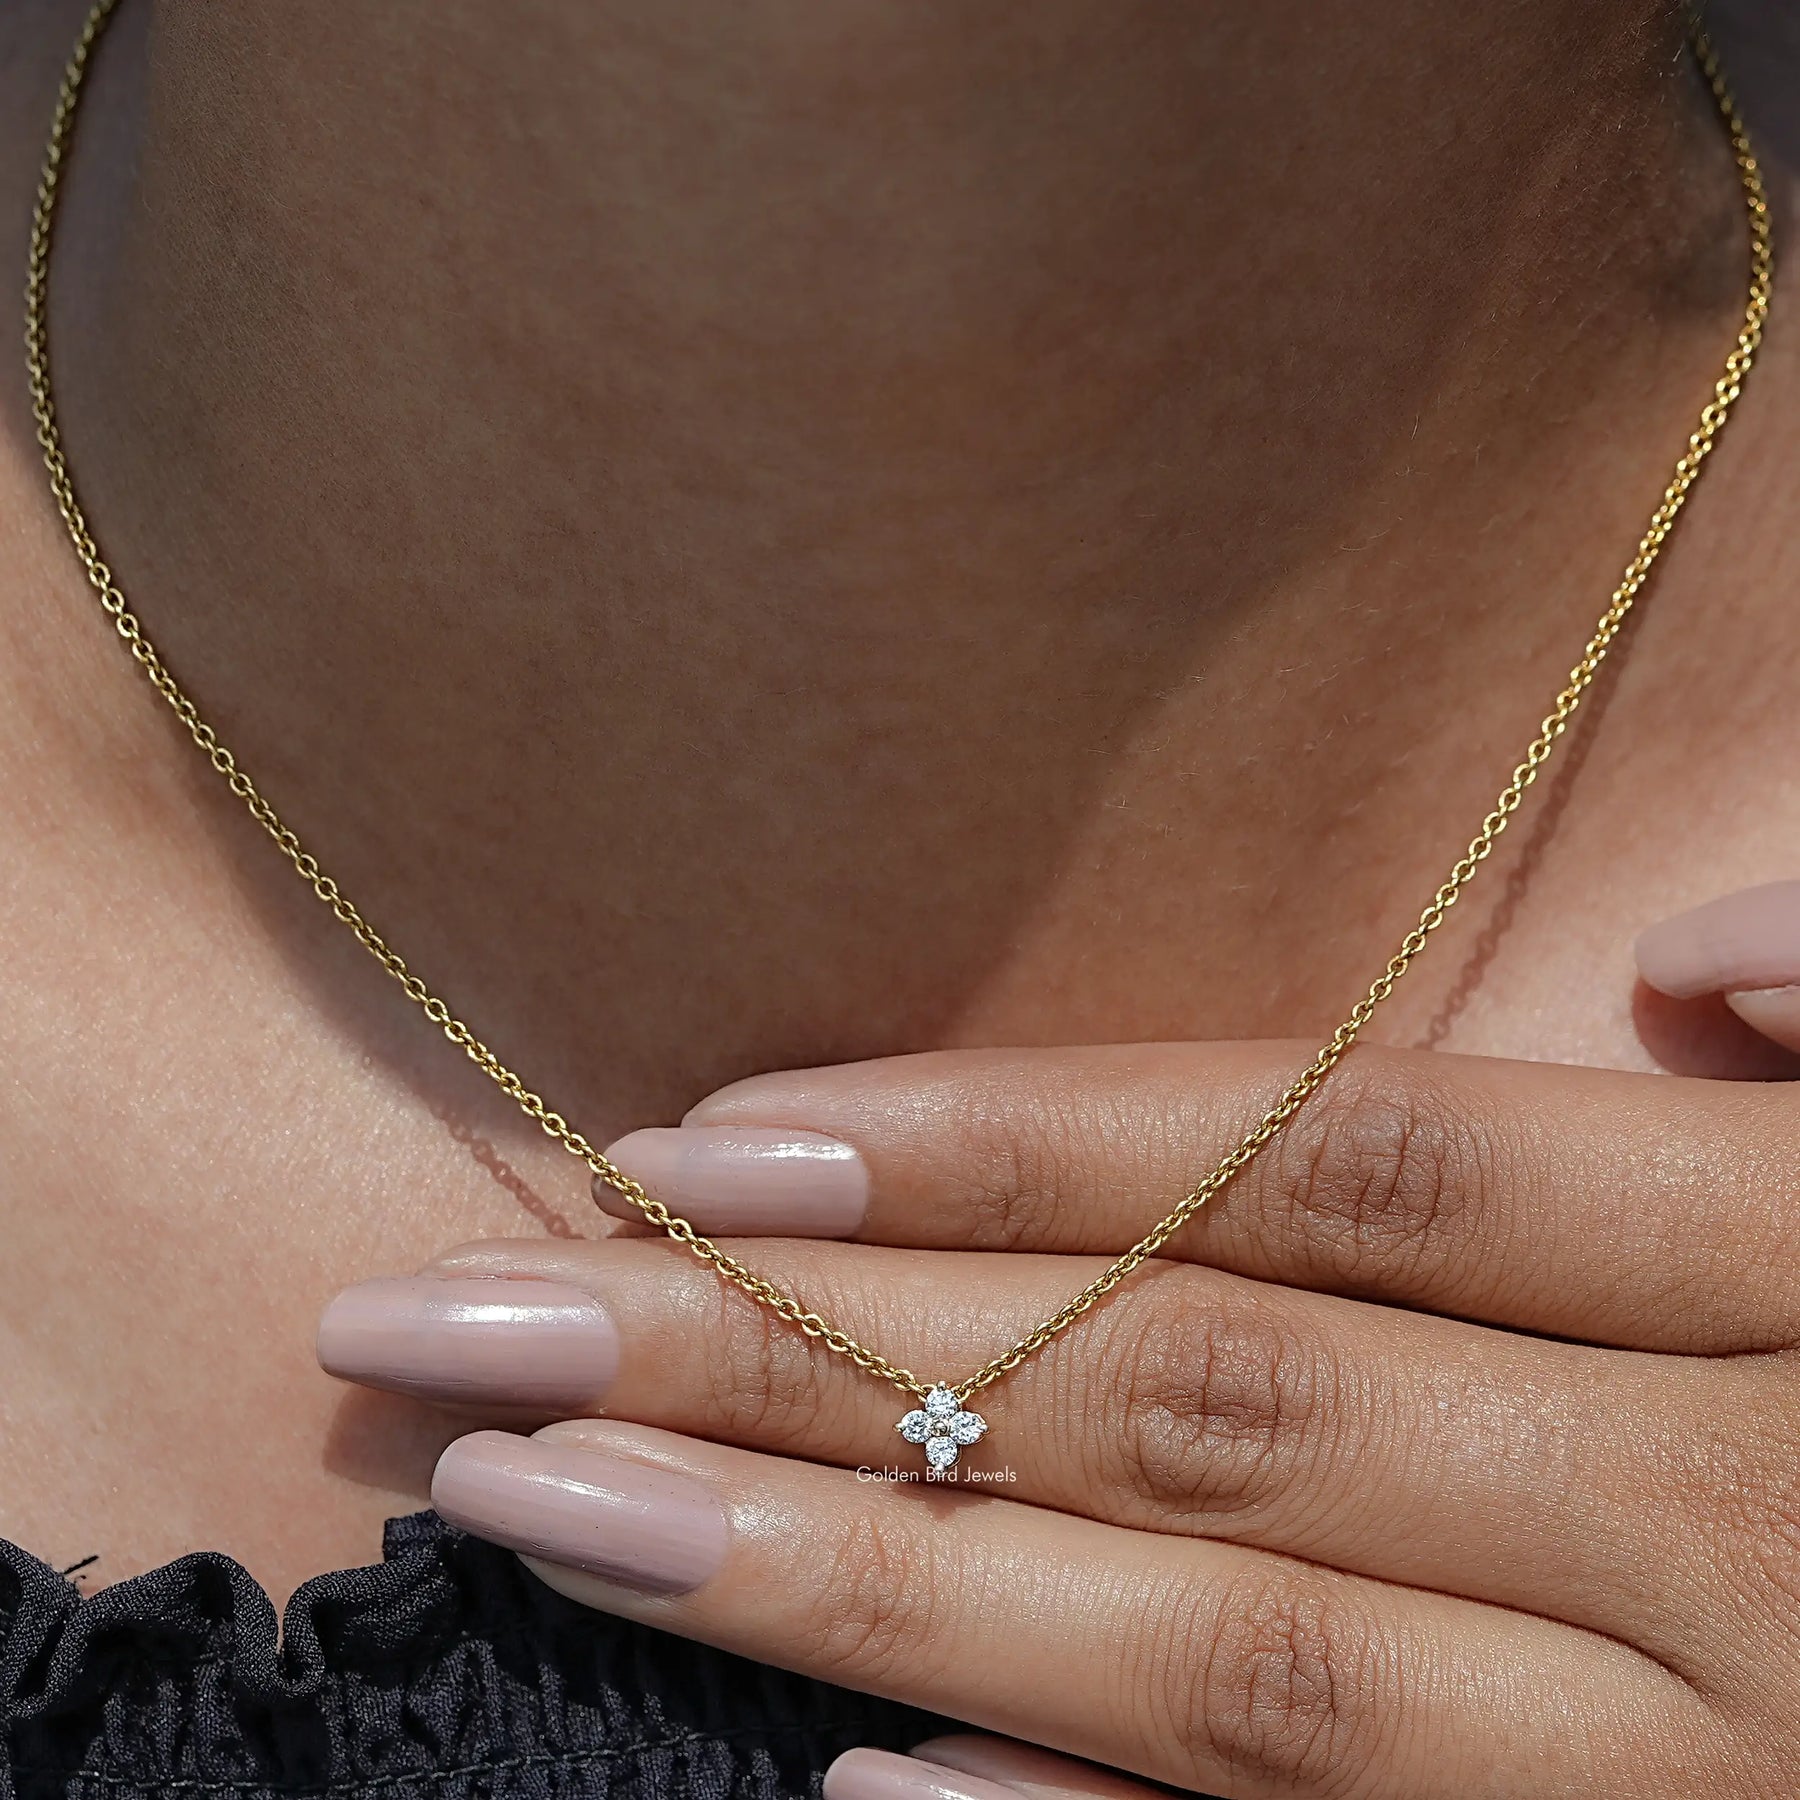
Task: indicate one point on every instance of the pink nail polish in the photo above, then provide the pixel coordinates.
(1025, 1769)
(643, 1527)
(881, 1775)
(745, 1180)
(493, 1342)
(1743, 941)
(1774, 1012)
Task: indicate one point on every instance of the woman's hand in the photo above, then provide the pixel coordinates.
(1454, 1451)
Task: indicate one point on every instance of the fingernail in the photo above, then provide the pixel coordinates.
(643, 1527)
(881, 1775)
(472, 1342)
(753, 1181)
(1744, 941)
(1025, 1769)
(1775, 1012)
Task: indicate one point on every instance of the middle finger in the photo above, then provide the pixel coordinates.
(1397, 1445)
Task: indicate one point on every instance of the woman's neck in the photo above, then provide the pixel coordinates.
(749, 535)
(766, 533)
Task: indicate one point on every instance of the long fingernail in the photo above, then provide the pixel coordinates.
(473, 1342)
(881, 1775)
(1025, 1769)
(1743, 942)
(752, 1181)
(643, 1527)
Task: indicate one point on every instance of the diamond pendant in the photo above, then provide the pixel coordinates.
(942, 1427)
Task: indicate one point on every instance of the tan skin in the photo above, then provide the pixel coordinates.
(746, 547)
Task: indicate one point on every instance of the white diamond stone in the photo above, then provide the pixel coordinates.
(943, 1427)
(940, 1452)
(967, 1427)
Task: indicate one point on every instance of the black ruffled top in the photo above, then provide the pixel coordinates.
(444, 1672)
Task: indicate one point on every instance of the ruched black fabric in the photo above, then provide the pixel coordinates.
(445, 1671)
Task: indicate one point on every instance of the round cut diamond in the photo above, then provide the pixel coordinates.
(940, 1452)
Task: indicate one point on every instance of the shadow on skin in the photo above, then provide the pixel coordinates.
(1532, 835)
(715, 893)
(387, 1442)
(391, 1442)
(1705, 1037)
(485, 1155)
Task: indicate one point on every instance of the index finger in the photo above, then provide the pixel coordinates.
(1639, 1211)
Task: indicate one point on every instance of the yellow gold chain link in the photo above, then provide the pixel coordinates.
(1699, 446)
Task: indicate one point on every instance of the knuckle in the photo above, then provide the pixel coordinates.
(762, 1378)
(1284, 1687)
(875, 1603)
(1221, 1405)
(1384, 1168)
(1022, 1165)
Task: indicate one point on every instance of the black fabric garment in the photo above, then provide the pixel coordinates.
(445, 1672)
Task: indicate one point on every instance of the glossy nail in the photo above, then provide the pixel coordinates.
(628, 1522)
(1743, 942)
(492, 1342)
(747, 1180)
(1027, 1770)
(881, 1775)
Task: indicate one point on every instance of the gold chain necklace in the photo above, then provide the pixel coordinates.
(941, 1425)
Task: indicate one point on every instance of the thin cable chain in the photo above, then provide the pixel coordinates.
(1699, 446)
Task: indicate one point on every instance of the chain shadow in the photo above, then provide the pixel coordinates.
(1555, 790)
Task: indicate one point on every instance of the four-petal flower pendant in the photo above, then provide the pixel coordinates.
(942, 1427)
